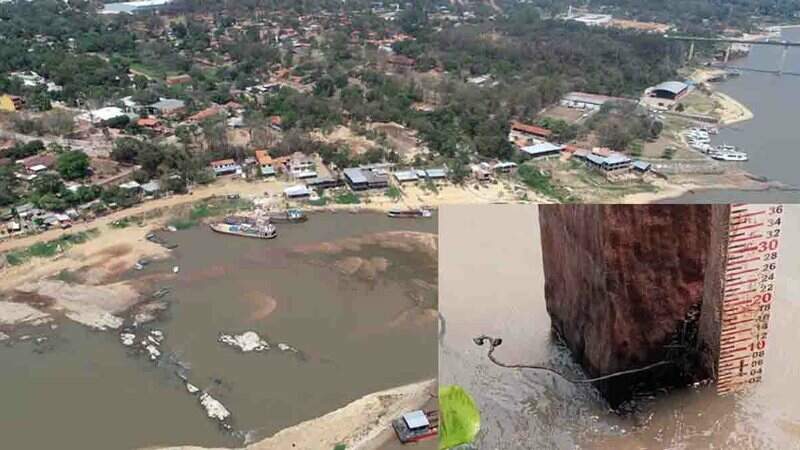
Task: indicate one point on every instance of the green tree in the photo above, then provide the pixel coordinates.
(8, 185)
(325, 87)
(73, 164)
(51, 202)
(47, 183)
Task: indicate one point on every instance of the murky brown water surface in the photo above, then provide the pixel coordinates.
(491, 282)
(351, 298)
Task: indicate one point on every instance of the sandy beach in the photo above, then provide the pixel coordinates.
(730, 110)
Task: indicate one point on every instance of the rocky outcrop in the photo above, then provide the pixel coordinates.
(624, 287)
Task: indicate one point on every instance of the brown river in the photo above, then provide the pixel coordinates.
(492, 282)
(353, 300)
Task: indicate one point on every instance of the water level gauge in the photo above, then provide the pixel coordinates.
(748, 292)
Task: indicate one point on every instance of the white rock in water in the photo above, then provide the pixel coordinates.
(192, 388)
(4, 336)
(176, 269)
(99, 320)
(157, 334)
(214, 408)
(248, 341)
(153, 351)
(127, 339)
(286, 348)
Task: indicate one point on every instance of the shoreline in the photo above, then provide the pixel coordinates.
(732, 111)
(413, 197)
(361, 424)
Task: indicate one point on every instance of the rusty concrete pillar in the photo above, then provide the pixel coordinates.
(625, 287)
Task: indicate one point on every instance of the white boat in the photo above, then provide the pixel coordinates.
(729, 156)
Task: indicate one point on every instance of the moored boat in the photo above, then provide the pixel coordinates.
(728, 153)
(729, 156)
(288, 216)
(409, 213)
(261, 231)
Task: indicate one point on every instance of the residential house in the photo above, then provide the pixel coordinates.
(542, 150)
(38, 163)
(302, 166)
(152, 188)
(207, 113)
(437, 173)
(225, 166)
(167, 107)
(607, 162)
(178, 79)
(504, 167)
(587, 101)
(297, 192)
(642, 166)
(265, 163)
(360, 179)
(151, 124)
(131, 186)
(405, 176)
(524, 134)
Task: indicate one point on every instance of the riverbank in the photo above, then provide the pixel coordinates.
(360, 425)
(680, 185)
(729, 110)
(412, 196)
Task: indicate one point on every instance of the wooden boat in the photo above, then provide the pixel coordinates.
(288, 216)
(260, 231)
(409, 213)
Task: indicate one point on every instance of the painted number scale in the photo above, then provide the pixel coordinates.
(748, 293)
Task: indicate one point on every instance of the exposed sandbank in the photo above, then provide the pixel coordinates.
(360, 425)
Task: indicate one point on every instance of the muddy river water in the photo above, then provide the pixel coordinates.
(492, 282)
(359, 314)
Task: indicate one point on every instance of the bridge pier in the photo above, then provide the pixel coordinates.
(728, 54)
(783, 59)
(691, 51)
